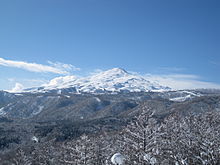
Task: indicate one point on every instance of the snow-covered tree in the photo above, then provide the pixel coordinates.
(139, 139)
(78, 152)
(191, 140)
(45, 153)
(178, 140)
(21, 158)
(102, 149)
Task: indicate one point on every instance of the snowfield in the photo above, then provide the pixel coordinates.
(114, 80)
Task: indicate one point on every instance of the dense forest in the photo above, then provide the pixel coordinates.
(176, 140)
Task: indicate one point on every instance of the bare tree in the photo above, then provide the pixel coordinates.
(78, 152)
(21, 158)
(139, 139)
(191, 140)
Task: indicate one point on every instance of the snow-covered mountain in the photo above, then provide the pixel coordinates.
(114, 80)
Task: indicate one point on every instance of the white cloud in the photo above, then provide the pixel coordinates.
(18, 88)
(215, 63)
(30, 81)
(57, 68)
(27, 83)
(96, 71)
(181, 81)
(62, 66)
(171, 69)
(60, 80)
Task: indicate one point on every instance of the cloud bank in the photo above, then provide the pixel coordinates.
(18, 88)
(57, 68)
(181, 81)
(62, 66)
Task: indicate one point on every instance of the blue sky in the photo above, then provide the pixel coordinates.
(167, 38)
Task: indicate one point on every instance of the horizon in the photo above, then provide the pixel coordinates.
(173, 42)
(171, 82)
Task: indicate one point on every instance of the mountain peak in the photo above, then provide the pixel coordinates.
(118, 70)
(115, 72)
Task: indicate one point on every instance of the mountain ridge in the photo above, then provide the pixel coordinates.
(113, 80)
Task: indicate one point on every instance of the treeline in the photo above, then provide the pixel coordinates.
(177, 140)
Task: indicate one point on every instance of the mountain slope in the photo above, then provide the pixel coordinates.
(114, 80)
